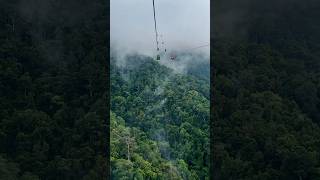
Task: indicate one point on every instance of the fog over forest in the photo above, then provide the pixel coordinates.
(182, 24)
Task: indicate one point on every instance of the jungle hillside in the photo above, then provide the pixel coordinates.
(266, 90)
(53, 90)
(159, 118)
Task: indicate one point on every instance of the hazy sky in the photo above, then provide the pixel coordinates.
(183, 24)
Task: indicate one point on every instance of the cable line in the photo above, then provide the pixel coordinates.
(199, 47)
(155, 24)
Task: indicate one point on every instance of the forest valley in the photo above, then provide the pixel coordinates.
(266, 92)
(53, 90)
(159, 119)
(54, 98)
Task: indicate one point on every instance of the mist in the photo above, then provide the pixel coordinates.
(183, 24)
(234, 19)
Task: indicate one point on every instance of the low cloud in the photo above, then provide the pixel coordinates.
(183, 24)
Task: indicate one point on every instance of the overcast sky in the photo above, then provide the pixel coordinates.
(183, 24)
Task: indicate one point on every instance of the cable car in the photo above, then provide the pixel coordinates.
(173, 57)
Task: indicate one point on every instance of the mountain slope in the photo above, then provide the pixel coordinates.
(170, 111)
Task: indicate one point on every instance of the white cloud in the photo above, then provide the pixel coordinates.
(183, 23)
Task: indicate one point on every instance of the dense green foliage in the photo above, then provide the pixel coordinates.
(159, 121)
(267, 94)
(53, 122)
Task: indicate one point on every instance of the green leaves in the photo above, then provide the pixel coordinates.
(167, 114)
(266, 122)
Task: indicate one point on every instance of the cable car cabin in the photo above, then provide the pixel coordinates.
(173, 57)
(158, 57)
